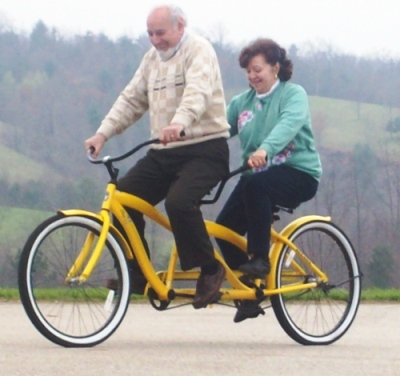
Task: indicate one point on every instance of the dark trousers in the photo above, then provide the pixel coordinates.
(249, 208)
(182, 176)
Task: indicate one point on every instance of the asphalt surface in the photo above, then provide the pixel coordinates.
(185, 341)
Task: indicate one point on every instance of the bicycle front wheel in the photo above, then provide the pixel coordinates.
(68, 311)
(321, 315)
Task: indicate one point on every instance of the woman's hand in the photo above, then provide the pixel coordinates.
(258, 158)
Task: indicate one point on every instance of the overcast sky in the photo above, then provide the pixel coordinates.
(360, 27)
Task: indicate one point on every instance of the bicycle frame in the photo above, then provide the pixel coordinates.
(114, 203)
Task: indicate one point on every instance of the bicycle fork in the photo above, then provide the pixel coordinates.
(87, 254)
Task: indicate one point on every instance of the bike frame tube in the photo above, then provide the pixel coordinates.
(121, 200)
(134, 202)
(171, 270)
(250, 293)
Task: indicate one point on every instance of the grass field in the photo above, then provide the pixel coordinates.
(340, 125)
(368, 295)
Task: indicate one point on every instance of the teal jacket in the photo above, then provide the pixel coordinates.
(279, 123)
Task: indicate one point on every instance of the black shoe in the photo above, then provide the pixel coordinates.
(138, 284)
(138, 280)
(256, 267)
(207, 288)
(248, 310)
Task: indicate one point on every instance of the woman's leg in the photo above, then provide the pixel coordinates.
(279, 185)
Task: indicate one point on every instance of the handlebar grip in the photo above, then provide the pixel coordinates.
(89, 154)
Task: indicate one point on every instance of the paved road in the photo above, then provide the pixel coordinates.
(204, 342)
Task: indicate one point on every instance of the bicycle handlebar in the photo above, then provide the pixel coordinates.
(222, 184)
(108, 159)
(108, 162)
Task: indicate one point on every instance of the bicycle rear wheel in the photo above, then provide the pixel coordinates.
(68, 312)
(321, 315)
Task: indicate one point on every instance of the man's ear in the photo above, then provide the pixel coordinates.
(181, 24)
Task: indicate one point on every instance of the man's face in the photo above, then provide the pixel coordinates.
(162, 32)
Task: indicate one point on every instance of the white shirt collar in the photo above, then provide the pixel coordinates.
(261, 96)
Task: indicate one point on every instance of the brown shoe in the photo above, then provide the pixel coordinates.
(207, 288)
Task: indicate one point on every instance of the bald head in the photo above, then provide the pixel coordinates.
(174, 13)
(165, 26)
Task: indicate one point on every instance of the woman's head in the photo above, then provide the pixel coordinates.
(265, 61)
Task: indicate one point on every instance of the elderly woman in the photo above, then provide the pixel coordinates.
(272, 120)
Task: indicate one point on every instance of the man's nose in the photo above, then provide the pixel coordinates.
(155, 40)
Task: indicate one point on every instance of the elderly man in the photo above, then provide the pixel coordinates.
(179, 83)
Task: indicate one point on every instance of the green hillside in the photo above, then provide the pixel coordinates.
(340, 124)
(17, 223)
(17, 167)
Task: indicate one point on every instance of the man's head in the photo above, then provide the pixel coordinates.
(165, 27)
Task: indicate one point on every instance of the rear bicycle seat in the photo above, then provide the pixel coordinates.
(277, 208)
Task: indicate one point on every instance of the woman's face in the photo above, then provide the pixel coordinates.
(261, 74)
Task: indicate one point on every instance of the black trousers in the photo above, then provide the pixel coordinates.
(249, 208)
(182, 176)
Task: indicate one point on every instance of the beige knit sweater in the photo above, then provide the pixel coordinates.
(186, 89)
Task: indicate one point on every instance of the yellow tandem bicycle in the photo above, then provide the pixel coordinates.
(314, 286)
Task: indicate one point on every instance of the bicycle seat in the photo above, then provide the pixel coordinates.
(277, 208)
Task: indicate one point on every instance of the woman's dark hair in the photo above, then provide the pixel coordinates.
(272, 52)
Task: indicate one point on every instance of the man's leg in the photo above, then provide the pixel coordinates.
(207, 164)
(194, 180)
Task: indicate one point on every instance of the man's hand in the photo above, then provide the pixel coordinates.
(258, 158)
(170, 133)
(96, 142)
